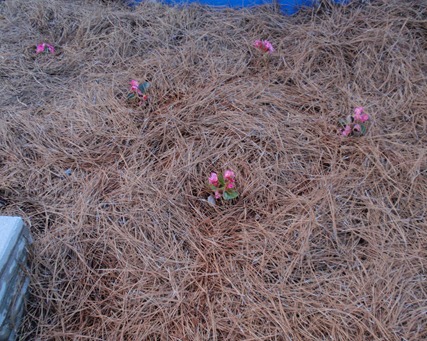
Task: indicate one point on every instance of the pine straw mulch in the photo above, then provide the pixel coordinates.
(328, 238)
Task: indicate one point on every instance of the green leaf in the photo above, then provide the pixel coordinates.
(228, 195)
(130, 96)
(221, 180)
(144, 87)
(350, 119)
(363, 129)
(213, 188)
(342, 122)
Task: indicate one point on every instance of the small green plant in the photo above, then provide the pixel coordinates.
(355, 124)
(138, 92)
(45, 48)
(223, 185)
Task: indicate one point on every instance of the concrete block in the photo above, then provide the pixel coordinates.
(10, 231)
(14, 281)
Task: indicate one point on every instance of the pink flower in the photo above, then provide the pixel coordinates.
(264, 45)
(42, 48)
(229, 175)
(217, 194)
(50, 48)
(230, 185)
(359, 115)
(364, 117)
(134, 87)
(213, 180)
(134, 84)
(358, 111)
(346, 131)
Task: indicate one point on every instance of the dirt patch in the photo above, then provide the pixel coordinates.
(328, 238)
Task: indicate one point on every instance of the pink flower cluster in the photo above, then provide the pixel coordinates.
(223, 184)
(355, 123)
(44, 47)
(360, 115)
(264, 46)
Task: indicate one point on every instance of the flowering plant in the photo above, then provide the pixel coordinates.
(45, 48)
(355, 124)
(223, 185)
(264, 45)
(138, 91)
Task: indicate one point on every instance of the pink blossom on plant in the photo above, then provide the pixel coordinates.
(357, 115)
(364, 117)
(264, 45)
(134, 87)
(359, 111)
(346, 131)
(360, 115)
(134, 84)
(42, 48)
(50, 48)
(259, 44)
(229, 175)
(223, 185)
(213, 179)
(230, 185)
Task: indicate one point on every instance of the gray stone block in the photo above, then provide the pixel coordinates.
(10, 231)
(14, 281)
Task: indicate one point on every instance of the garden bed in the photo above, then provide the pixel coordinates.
(327, 238)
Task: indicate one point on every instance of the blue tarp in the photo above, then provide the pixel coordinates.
(287, 6)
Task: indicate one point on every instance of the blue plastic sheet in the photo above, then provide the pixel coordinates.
(287, 6)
